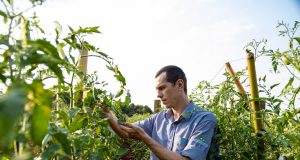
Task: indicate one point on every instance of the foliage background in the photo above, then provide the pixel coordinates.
(281, 114)
(65, 121)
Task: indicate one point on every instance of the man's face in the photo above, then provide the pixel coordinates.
(166, 91)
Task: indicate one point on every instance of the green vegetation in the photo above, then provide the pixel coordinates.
(65, 120)
(56, 122)
(281, 116)
(137, 149)
(133, 109)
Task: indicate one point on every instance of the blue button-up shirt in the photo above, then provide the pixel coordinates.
(190, 135)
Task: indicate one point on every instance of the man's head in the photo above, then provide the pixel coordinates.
(171, 85)
(173, 73)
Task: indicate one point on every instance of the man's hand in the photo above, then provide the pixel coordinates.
(133, 131)
(114, 122)
(161, 152)
(107, 112)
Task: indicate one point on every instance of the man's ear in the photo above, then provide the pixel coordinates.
(180, 84)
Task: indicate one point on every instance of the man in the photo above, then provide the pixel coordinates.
(183, 131)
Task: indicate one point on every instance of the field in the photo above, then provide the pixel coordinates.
(65, 121)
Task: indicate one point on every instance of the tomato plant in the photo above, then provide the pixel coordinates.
(65, 121)
(281, 115)
(53, 122)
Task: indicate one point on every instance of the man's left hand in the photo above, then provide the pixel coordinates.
(133, 131)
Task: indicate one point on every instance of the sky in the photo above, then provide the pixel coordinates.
(199, 36)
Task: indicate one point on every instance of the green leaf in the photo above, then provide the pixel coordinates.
(72, 44)
(3, 14)
(121, 79)
(110, 68)
(4, 40)
(63, 140)
(49, 61)
(11, 108)
(46, 140)
(102, 54)
(119, 76)
(71, 29)
(10, 2)
(2, 78)
(297, 39)
(119, 93)
(89, 46)
(73, 112)
(127, 99)
(58, 29)
(274, 85)
(285, 143)
(186, 114)
(292, 138)
(295, 93)
(61, 51)
(45, 47)
(291, 44)
(274, 63)
(63, 115)
(76, 123)
(39, 123)
(88, 30)
(51, 151)
(122, 151)
(288, 84)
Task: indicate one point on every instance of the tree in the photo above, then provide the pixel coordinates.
(136, 109)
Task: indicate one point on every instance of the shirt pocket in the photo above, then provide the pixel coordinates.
(180, 143)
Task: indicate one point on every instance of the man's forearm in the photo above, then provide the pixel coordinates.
(161, 152)
(114, 124)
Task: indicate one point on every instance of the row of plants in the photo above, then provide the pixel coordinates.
(281, 114)
(65, 120)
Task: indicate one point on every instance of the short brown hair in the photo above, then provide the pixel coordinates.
(173, 73)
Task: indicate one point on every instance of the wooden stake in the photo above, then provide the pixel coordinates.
(240, 88)
(257, 115)
(258, 122)
(83, 62)
(157, 105)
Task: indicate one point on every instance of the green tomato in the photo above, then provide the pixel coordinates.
(221, 87)
(285, 60)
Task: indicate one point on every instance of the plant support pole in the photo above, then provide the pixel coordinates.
(157, 105)
(236, 81)
(83, 62)
(258, 122)
(257, 115)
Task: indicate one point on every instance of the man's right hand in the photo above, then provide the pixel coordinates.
(114, 122)
(107, 112)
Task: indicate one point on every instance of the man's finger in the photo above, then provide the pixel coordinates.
(105, 109)
(125, 128)
(130, 125)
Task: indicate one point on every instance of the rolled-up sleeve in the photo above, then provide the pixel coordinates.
(146, 124)
(199, 142)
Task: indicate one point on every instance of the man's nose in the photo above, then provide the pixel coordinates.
(159, 95)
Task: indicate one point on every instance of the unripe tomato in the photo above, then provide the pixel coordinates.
(285, 60)
(221, 87)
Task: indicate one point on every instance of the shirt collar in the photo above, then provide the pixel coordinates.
(186, 114)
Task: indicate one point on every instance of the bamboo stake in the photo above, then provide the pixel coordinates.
(157, 105)
(257, 116)
(83, 61)
(240, 88)
(258, 122)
